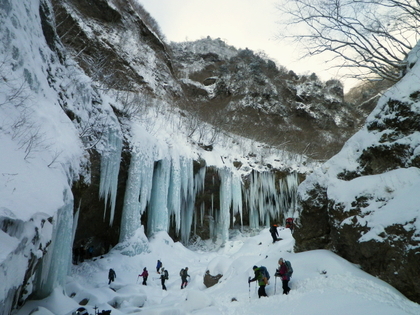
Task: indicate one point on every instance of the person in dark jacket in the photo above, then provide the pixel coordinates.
(111, 275)
(163, 279)
(262, 281)
(274, 233)
(144, 274)
(184, 274)
(285, 278)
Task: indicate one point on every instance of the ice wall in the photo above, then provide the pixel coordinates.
(167, 188)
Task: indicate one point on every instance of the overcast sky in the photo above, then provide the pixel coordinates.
(240, 23)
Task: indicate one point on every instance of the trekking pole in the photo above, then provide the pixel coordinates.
(137, 281)
(275, 284)
(249, 290)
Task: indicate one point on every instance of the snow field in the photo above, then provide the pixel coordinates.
(322, 283)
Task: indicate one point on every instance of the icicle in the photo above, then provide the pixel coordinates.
(236, 197)
(110, 167)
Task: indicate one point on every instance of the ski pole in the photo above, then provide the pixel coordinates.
(137, 281)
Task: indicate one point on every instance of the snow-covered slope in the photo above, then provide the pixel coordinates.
(322, 282)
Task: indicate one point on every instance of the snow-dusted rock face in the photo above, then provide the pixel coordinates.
(248, 94)
(364, 202)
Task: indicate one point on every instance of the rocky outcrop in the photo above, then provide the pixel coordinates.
(362, 204)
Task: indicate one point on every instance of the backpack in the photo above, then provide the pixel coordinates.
(289, 268)
(264, 272)
(181, 272)
(166, 274)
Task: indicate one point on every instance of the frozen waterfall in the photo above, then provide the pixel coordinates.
(166, 188)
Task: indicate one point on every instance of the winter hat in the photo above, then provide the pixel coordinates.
(255, 267)
(144, 268)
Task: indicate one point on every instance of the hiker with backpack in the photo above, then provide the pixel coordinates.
(111, 275)
(163, 277)
(274, 233)
(144, 274)
(289, 224)
(261, 275)
(284, 271)
(184, 274)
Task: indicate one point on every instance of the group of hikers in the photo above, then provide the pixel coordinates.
(283, 271)
(164, 275)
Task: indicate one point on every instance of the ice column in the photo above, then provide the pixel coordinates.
(196, 185)
(138, 192)
(174, 193)
(222, 220)
(110, 167)
(187, 198)
(158, 213)
(56, 263)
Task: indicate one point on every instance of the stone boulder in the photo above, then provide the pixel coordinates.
(210, 280)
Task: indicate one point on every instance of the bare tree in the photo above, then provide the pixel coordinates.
(372, 37)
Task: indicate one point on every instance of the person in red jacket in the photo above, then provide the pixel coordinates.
(284, 274)
(144, 274)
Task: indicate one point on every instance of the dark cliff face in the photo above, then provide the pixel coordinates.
(328, 222)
